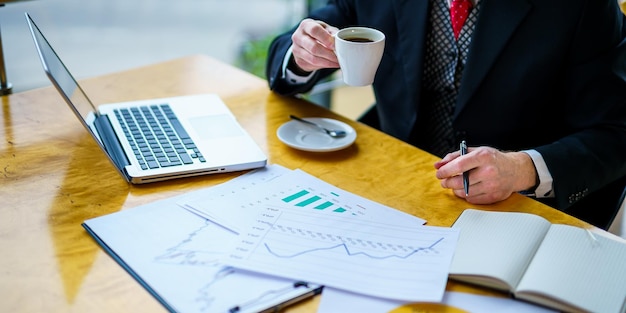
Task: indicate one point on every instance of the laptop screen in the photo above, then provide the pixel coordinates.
(69, 89)
(61, 77)
(240, 153)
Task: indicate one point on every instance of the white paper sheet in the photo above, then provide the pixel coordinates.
(289, 188)
(176, 255)
(385, 258)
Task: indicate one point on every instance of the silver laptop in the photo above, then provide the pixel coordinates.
(157, 139)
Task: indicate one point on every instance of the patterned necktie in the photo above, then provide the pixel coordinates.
(434, 130)
(459, 10)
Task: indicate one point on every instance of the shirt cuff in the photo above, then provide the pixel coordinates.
(291, 77)
(544, 189)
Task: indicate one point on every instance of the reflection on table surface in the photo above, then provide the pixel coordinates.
(55, 177)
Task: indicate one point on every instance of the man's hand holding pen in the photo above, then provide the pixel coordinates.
(490, 175)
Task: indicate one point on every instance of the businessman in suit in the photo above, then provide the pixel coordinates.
(536, 87)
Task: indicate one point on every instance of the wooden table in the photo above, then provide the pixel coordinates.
(54, 177)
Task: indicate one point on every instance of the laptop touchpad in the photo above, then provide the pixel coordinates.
(215, 126)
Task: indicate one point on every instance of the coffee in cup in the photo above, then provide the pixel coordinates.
(359, 51)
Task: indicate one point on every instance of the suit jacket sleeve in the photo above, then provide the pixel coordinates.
(594, 152)
(333, 14)
(538, 76)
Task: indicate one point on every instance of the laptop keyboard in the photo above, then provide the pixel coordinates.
(157, 136)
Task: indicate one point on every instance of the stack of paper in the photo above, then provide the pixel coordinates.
(266, 232)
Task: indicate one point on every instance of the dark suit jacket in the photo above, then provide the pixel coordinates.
(541, 74)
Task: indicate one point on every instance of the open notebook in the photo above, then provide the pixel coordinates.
(156, 139)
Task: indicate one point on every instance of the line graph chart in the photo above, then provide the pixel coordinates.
(178, 256)
(346, 249)
(195, 249)
(383, 259)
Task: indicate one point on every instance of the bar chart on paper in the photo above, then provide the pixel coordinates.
(375, 258)
(303, 192)
(291, 190)
(305, 198)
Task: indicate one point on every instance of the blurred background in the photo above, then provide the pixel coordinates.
(98, 37)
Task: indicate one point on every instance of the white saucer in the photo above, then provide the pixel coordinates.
(305, 137)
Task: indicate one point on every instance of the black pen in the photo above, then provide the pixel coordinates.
(466, 173)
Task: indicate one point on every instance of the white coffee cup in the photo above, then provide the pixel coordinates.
(359, 51)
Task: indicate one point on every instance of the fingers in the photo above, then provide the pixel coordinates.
(493, 175)
(449, 157)
(453, 164)
(321, 32)
(479, 192)
(313, 45)
(455, 183)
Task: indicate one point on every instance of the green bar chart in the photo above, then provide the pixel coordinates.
(306, 199)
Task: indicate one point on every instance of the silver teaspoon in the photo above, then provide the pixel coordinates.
(335, 133)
